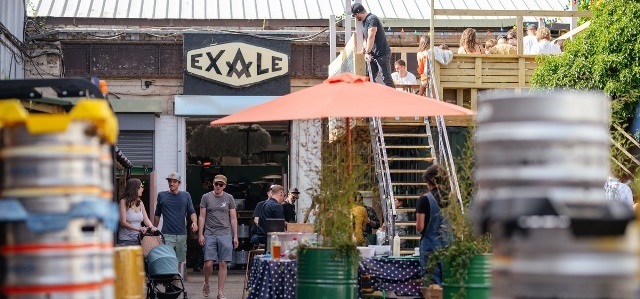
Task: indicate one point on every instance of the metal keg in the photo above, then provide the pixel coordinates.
(55, 203)
(243, 231)
(47, 166)
(536, 139)
(107, 269)
(106, 171)
(552, 263)
(241, 257)
(543, 159)
(42, 259)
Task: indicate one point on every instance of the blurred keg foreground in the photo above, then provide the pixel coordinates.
(57, 218)
(543, 160)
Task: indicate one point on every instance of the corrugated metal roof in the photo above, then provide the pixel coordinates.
(272, 9)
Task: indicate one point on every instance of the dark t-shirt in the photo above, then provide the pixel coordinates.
(380, 44)
(289, 212)
(174, 208)
(256, 213)
(270, 209)
(423, 207)
(373, 217)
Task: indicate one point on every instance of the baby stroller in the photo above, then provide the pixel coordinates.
(161, 266)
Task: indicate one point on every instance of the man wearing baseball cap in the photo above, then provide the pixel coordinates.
(375, 47)
(174, 206)
(218, 232)
(289, 205)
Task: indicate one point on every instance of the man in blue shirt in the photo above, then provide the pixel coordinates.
(174, 206)
(272, 208)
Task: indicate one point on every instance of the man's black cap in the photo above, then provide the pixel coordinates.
(356, 8)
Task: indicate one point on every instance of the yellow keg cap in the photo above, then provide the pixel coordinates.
(96, 111)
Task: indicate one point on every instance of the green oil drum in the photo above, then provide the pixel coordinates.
(325, 274)
(478, 283)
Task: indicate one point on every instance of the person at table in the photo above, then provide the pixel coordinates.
(256, 215)
(133, 214)
(401, 76)
(271, 209)
(429, 220)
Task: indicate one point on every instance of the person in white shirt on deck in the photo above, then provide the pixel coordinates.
(401, 76)
(614, 190)
(531, 38)
(544, 45)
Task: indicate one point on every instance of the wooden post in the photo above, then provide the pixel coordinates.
(332, 37)
(519, 23)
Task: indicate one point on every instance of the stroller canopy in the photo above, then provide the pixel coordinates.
(162, 260)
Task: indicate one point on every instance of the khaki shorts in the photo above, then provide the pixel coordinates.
(179, 244)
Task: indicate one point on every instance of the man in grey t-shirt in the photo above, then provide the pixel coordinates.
(218, 232)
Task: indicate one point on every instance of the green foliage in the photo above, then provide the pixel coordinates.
(605, 56)
(345, 171)
(463, 242)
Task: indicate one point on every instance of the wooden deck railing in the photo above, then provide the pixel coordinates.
(460, 81)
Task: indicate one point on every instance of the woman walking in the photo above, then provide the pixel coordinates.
(133, 214)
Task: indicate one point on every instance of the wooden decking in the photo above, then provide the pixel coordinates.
(461, 80)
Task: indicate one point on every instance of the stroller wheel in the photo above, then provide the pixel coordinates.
(185, 295)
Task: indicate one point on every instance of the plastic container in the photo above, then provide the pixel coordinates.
(396, 246)
(275, 246)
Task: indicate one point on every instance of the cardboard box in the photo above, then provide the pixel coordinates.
(431, 292)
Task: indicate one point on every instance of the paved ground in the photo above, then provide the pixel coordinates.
(232, 289)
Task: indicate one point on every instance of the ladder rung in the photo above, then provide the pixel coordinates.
(401, 197)
(407, 146)
(410, 237)
(410, 159)
(417, 123)
(406, 170)
(405, 135)
(407, 252)
(406, 210)
(407, 184)
(405, 224)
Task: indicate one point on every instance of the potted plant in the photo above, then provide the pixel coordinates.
(466, 259)
(330, 269)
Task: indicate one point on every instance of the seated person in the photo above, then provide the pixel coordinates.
(256, 215)
(401, 76)
(272, 208)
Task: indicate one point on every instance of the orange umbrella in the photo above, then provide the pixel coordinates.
(344, 95)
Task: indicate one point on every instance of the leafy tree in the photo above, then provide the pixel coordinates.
(605, 56)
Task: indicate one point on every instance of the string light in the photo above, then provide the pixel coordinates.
(402, 31)
(389, 29)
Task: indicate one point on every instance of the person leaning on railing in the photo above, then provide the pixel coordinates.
(423, 56)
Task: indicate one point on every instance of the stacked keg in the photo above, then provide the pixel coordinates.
(241, 253)
(57, 217)
(543, 159)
